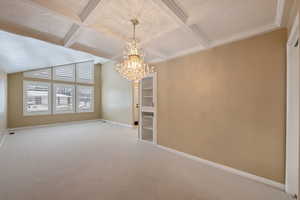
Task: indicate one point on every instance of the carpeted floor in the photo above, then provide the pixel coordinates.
(98, 161)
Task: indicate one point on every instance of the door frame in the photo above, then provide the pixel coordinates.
(135, 87)
(292, 40)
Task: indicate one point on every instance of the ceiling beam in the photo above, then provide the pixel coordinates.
(88, 9)
(171, 8)
(150, 50)
(47, 6)
(156, 53)
(84, 48)
(71, 35)
(28, 32)
(80, 22)
(74, 31)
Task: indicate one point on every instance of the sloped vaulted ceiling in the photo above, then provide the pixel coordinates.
(168, 28)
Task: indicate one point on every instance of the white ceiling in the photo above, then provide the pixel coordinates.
(168, 28)
(19, 53)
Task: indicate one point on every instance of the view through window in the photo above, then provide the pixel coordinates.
(69, 97)
(85, 98)
(64, 98)
(37, 97)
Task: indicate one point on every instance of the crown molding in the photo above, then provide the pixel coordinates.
(279, 12)
(246, 34)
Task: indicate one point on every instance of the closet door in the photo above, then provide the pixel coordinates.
(148, 114)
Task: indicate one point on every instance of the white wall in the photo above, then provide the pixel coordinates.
(117, 96)
(3, 103)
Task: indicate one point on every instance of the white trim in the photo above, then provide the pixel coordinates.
(149, 109)
(292, 98)
(2, 137)
(117, 123)
(54, 124)
(84, 65)
(227, 169)
(35, 74)
(48, 84)
(294, 34)
(67, 79)
(72, 86)
(78, 87)
(279, 12)
(246, 34)
(146, 142)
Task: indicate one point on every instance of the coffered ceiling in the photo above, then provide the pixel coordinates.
(168, 28)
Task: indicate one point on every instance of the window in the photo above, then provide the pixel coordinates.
(85, 72)
(64, 73)
(41, 74)
(85, 99)
(36, 98)
(52, 96)
(63, 98)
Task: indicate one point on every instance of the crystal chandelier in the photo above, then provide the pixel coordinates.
(133, 66)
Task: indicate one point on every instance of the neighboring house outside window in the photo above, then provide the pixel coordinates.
(76, 95)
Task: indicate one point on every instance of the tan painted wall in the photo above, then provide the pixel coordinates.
(227, 104)
(15, 104)
(116, 96)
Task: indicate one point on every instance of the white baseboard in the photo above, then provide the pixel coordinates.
(228, 169)
(117, 123)
(54, 124)
(2, 137)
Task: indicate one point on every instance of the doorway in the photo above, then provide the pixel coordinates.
(293, 112)
(135, 104)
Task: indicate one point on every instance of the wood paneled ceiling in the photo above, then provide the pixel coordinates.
(168, 28)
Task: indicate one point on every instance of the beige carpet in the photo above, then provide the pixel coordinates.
(97, 161)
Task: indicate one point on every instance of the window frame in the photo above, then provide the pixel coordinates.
(58, 78)
(55, 85)
(30, 74)
(25, 84)
(86, 81)
(78, 87)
